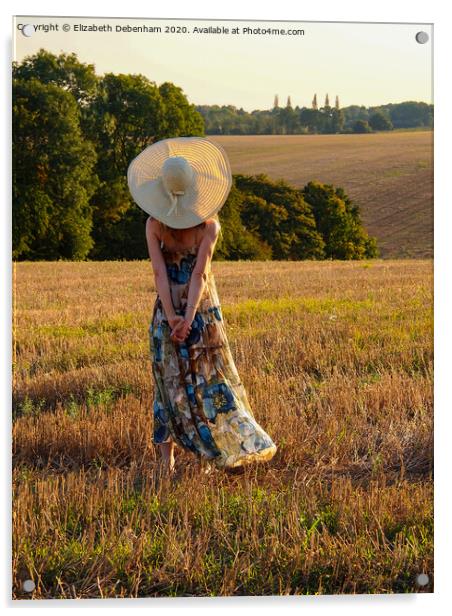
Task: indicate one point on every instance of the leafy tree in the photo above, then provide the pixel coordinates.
(287, 119)
(65, 71)
(361, 126)
(228, 120)
(75, 135)
(338, 220)
(337, 120)
(52, 174)
(237, 241)
(411, 114)
(324, 120)
(180, 117)
(310, 118)
(125, 238)
(280, 216)
(127, 235)
(129, 113)
(126, 117)
(380, 121)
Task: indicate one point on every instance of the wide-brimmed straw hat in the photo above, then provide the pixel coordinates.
(181, 181)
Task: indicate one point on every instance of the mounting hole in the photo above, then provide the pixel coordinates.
(28, 585)
(422, 579)
(422, 37)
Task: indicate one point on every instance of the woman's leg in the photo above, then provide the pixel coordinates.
(167, 454)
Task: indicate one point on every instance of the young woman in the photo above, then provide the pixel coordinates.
(200, 402)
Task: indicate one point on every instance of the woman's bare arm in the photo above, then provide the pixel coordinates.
(159, 268)
(199, 273)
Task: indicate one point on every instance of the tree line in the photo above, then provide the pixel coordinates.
(74, 135)
(228, 120)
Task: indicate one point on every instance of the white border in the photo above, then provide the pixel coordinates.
(414, 11)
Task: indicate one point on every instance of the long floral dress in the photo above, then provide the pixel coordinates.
(200, 402)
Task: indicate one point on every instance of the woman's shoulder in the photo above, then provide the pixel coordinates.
(151, 220)
(212, 226)
(153, 226)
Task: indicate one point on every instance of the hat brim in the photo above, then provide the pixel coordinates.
(207, 194)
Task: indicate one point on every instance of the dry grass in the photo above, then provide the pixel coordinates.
(337, 361)
(390, 175)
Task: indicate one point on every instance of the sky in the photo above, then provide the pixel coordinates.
(362, 63)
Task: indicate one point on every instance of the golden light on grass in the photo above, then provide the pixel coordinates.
(337, 360)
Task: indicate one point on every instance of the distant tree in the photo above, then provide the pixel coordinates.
(380, 121)
(52, 179)
(410, 114)
(337, 120)
(326, 123)
(276, 102)
(288, 120)
(272, 121)
(289, 102)
(310, 118)
(361, 126)
(353, 113)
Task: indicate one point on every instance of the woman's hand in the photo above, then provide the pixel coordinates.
(174, 323)
(182, 330)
